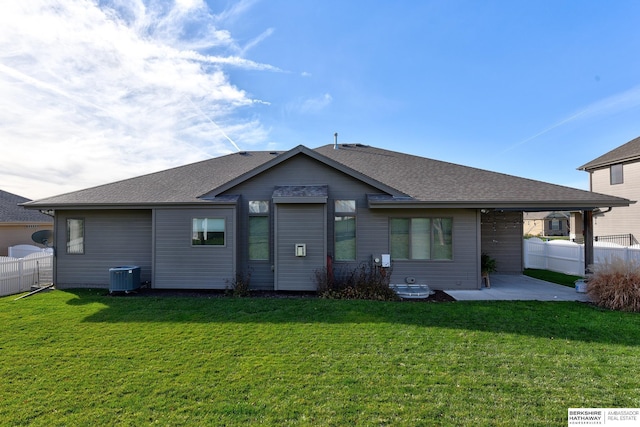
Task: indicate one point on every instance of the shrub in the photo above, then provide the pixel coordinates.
(487, 264)
(615, 285)
(368, 281)
(239, 287)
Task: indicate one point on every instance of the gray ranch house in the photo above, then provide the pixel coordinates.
(282, 215)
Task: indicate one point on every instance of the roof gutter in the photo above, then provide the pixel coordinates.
(149, 205)
(550, 206)
(602, 212)
(592, 166)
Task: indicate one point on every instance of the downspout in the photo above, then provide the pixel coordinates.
(54, 272)
(603, 212)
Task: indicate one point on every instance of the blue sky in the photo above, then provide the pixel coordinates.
(92, 92)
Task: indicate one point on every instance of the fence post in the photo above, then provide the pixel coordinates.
(626, 255)
(20, 272)
(545, 245)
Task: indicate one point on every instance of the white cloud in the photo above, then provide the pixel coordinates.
(235, 11)
(91, 93)
(313, 105)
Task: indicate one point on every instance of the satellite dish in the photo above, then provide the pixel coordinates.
(42, 237)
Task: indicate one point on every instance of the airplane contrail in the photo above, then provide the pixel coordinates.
(214, 123)
(622, 101)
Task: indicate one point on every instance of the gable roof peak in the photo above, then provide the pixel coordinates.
(299, 150)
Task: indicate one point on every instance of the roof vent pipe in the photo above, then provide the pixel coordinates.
(335, 141)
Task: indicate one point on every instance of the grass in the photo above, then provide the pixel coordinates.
(553, 277)
(83, 358)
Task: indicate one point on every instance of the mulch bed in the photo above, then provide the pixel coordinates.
(438, 296)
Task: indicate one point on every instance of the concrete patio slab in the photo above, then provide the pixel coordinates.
(518, 287)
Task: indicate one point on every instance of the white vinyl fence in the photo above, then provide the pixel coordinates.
(20, 274)
(21, 251)
(568, 257)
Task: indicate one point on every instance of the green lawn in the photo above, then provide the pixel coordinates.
(553, 277)
(83, 358)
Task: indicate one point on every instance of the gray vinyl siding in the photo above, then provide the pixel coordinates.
(502, 239)
(460, 273)
(372, 228)
(112, 238)
(620, 220)
(178, 264)
(299, 223)
(299, 170)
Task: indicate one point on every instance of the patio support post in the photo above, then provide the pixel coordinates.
(587, 217)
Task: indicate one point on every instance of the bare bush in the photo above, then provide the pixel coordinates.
(368, 281)
(240, 286)
(615, 285)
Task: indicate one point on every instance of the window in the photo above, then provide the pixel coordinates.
(258, 230)
(555, 225)
(421, 238)
(75, 236)
(208, 231)
(616, 174)
(258, 207)
(345, 230)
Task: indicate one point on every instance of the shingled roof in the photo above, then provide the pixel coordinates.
(403, 178)
(184, 184)
(625, 153)
(437, 182)
(12, 212)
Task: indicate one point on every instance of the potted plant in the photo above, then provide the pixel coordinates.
(487, 265)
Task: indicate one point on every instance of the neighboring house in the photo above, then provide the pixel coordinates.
(576, 227)
(617, 173)
(17, 224)
(280, 215)
(546, 224)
